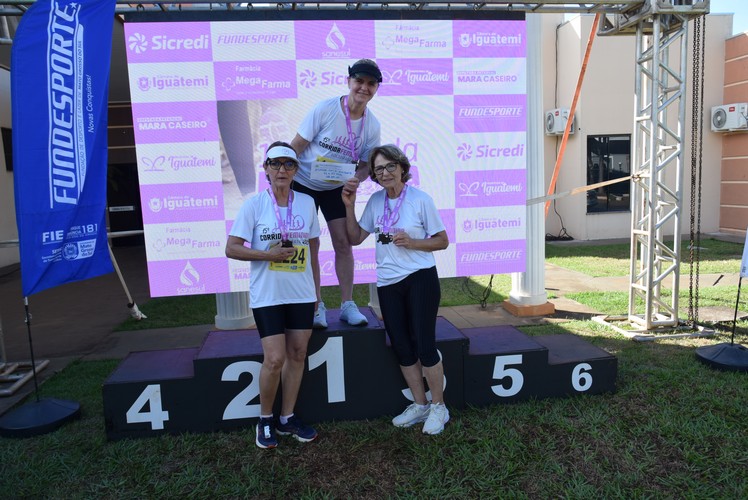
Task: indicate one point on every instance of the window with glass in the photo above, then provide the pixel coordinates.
(608, 158)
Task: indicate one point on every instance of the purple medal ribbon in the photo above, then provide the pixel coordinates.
(283, 225)
(390, 215)
(351, 136)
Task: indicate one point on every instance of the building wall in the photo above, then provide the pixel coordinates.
(606, 106)
(8, 254)
(733, 215)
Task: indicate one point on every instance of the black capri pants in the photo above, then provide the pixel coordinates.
(409, 308)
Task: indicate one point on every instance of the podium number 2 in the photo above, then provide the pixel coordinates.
(239, 407)
(155, 415)
(500, 372)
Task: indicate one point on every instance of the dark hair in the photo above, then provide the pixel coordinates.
(392, 153)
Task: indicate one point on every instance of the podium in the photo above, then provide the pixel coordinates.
(351, 373)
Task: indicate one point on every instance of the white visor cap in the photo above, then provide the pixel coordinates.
(282, 152)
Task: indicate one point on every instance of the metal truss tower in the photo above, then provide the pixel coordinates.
(661, 30)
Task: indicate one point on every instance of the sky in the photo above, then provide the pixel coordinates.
(738, 7)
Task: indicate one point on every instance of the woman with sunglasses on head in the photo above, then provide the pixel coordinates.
(343, 131)
(408, 230)
(279, 225)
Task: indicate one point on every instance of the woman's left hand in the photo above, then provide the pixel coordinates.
(403, 240)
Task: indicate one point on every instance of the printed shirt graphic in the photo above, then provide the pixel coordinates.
(418, 217)
(256, 223)
(325, 129)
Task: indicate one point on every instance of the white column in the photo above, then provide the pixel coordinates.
(528, 288)
(233, 311)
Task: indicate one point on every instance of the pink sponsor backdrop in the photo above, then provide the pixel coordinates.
(466, 142)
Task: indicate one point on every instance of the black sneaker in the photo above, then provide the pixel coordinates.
(266, 434)
(296, 428)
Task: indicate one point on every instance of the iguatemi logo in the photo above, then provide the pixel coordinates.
(469, 189)
(153, 165)
(464, 151)
(161, 82)
(490, 40)
(392, 77)
(175, 162)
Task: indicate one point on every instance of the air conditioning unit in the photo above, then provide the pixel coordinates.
(555, 121)
(729, 117)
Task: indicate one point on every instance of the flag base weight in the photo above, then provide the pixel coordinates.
(725, 356)
(38, 417)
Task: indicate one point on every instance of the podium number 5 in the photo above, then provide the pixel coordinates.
(500, 372)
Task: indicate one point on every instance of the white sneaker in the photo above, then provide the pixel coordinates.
(320, 317)
(413, 414)
(350, 314)
(438, 416)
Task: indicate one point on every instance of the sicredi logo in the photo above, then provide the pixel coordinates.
(138, 43)
(490, 40)
(308, 78)
(465, 151)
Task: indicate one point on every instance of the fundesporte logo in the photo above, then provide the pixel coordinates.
(308, 78)
(464, 151)
(137, 43)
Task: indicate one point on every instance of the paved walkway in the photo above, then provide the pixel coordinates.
(76, 321)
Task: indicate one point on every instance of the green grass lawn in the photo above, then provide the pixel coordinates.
(674, 428)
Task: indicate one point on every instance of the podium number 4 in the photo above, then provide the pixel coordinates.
(155, 415)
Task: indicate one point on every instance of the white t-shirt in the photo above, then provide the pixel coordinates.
(418, 217)
(325, 129)
(257, 223)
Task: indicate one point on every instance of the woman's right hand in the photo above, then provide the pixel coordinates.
(278, 253)
(349, 192)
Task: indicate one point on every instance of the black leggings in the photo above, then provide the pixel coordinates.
(409, 308)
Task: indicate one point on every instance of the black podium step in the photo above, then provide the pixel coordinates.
(351, 373)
